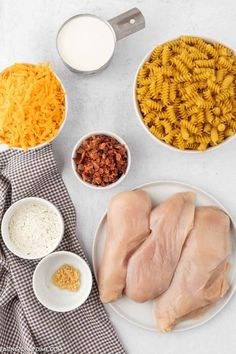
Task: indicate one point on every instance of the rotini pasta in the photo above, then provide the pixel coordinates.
(186, 93)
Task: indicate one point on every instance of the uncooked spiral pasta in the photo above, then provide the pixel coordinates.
(186, 93)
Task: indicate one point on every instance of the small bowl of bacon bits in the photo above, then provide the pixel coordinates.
(101, 160)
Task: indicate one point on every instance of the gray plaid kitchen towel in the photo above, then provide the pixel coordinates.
(25, 325)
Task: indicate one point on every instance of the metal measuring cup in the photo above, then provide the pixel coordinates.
(121, 26)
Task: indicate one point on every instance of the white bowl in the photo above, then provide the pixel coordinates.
(103, 132)
(51, 296)
(6, 219)
(59, 130)
(140, 116)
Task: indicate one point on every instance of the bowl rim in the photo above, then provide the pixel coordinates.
(6, 219)
(110, 134)
(59, 130)
(140, 116)
(55, 254)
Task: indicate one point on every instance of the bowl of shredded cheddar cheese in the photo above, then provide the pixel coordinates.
(184, 94)
(33, 106)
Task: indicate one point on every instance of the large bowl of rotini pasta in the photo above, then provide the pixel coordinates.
(185, 94)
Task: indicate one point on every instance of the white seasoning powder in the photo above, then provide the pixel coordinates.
(34, 228)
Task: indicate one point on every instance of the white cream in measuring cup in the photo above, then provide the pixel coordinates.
(86, 43)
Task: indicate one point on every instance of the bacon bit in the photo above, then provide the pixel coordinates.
(101, 160)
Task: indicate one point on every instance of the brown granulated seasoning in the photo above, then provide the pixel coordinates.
(101, 160)
(67, 277)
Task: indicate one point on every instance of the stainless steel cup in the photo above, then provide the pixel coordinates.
(121, 26)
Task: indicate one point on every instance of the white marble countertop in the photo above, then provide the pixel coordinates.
(27, 34)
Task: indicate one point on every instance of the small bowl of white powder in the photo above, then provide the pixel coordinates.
(32, 228)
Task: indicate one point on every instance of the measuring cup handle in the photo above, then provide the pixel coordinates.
(127, 23)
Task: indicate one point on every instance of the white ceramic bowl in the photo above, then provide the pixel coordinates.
(6, 219)
(140, 116)
(51, 296)
(113, 135)
(59, 130)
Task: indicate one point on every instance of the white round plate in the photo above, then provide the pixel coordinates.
(50, 296)
(141, 314)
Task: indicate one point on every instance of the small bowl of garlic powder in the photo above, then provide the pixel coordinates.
(32, 228)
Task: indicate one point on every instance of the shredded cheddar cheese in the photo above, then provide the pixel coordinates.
(32, 105)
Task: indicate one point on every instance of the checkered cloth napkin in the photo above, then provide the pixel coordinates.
(24, 323)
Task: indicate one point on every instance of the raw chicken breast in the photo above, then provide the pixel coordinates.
(201, 275)
(152, 266)
(127, 227)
